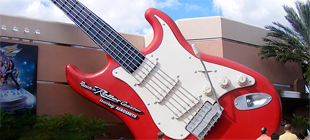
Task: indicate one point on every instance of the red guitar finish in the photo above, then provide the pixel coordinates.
(233, 123)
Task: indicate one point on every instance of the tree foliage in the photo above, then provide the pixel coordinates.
(14, 124)
(300, 125)
(290, 44)
(26, 126)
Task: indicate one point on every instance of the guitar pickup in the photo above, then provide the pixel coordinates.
(144, 70)
(202, 122)
(166, 89)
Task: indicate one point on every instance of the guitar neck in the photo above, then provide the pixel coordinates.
(116, 46)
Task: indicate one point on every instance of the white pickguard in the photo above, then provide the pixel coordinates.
(172, 61)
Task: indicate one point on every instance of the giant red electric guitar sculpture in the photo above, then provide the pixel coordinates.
(165, 87)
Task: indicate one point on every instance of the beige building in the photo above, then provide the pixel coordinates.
(61, 44)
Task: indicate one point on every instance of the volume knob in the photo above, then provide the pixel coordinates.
(224, 82)
(242, 80)
(207, 90)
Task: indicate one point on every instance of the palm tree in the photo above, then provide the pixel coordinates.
(290, 44)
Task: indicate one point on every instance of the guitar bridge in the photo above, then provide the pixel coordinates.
(204, 120)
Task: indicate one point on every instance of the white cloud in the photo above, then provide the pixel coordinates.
(128, 15)
(255, 12)
(190, 7)
(123, 15)
(167, 3)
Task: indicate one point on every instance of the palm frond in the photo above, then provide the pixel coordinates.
(289, 44)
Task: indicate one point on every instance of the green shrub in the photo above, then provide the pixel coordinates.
(300, 125)
(15, 124)
(45, 127)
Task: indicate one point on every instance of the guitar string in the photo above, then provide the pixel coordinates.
(161, 94)
(94, 34)
(175, 100)
(140, 76)
(149, 66)
(154, 94)
(169, 95)
(149, 77)
(170, 83)
(164, 96)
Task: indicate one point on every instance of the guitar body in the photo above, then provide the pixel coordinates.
(147, 116)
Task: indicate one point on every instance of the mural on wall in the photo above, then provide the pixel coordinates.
(18, 67)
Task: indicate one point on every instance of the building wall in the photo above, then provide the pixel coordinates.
(239, 42)
(276, 72)
(61, 44)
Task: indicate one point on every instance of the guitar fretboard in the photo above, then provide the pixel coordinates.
(116, 46)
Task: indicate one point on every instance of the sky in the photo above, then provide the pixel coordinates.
(128, 15)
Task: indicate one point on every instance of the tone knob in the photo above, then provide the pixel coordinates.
(242, 80)
(224, 82)
(207, 90)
